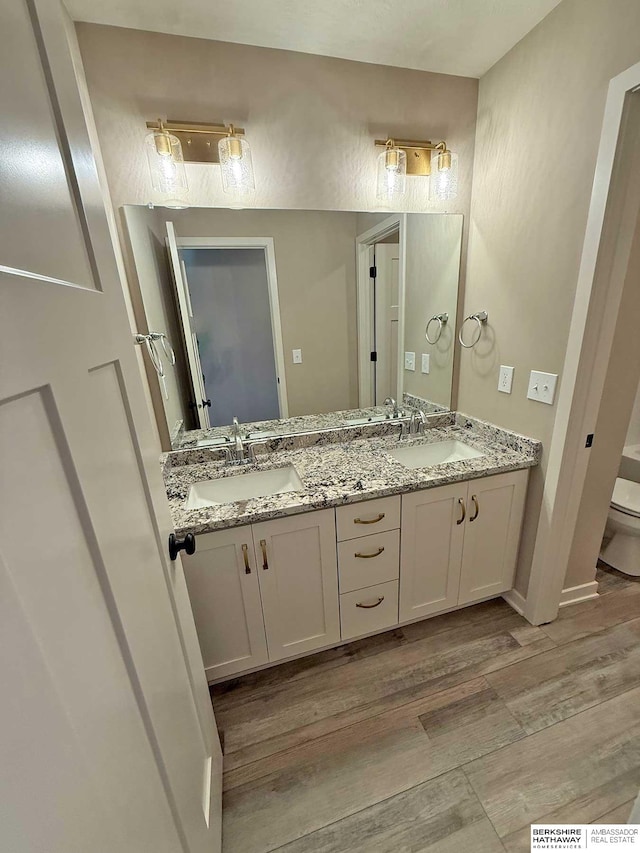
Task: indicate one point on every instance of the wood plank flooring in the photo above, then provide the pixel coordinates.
(446, 735)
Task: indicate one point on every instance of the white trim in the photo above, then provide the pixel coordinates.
(576, 594)
(586, 360)
(266, 243)
(515, 600)
(364, 241)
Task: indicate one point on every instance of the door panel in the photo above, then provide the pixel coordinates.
(492, 535)
(226, 602)
(431, 550)
(84, 517)
(298, 575)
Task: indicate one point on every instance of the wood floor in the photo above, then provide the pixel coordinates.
(448, 735)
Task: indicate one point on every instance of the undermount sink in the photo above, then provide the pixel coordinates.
(424, 455)
(242, 487)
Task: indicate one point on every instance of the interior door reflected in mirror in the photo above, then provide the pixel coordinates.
(295, 320)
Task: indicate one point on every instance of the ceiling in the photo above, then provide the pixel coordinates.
(463, 37)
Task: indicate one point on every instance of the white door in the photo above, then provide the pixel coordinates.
(492, 535)
(387, 296)
(298, 573)
(222, 577)
(431, 550)
(179, 272)
(107, 736)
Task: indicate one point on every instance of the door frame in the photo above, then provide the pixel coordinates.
(267, 244)
(615, 201)
(364, 242)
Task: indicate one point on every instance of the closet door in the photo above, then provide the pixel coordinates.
(431, 550)
(492, 535)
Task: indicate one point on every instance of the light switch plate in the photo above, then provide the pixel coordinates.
(426, 358)
(505, 382)
(409, 361)
(542, 387)
(297, 356)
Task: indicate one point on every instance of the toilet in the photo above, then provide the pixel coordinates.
(623, 550)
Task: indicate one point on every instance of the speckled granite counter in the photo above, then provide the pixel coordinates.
(342, 473)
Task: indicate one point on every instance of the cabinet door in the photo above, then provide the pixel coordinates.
(298, 573)
(492, 535)
(225, 598)
(431, 550)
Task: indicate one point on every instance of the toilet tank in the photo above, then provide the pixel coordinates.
(630, 463)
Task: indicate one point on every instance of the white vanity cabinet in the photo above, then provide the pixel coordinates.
(298, 576)
(222, 578)
(459, 543)
(264, 592)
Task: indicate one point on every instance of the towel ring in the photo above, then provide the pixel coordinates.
(441, 319)
(480, 318)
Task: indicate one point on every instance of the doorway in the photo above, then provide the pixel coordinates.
(230, 317)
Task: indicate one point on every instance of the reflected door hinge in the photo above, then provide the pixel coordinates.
(374, 356)
(373, 272)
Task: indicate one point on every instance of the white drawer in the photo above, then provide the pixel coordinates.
(367, 517)
(368, 560)
(368, 610)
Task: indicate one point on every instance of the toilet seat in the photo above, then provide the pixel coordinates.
(626, 497)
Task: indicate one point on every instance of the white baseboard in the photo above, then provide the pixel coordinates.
(582, 592)
(515, 600)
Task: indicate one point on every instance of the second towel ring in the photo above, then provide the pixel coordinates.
(480, 318)
(441, 319)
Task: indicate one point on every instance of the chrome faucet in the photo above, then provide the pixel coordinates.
(240, 453)
(394, 407)
(418, 422)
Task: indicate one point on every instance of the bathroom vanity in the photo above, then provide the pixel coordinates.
(374, 532)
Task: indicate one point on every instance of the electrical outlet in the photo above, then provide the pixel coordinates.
(505, 381)
(426, 359)
(297, 356)
(542, 387)
(409, 361)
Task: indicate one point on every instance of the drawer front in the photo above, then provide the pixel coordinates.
(368, 560)
(378, 609)
(368, 517)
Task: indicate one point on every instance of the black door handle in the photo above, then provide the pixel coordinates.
(188, 544)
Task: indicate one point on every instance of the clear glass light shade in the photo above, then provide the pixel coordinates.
(444, 176)
(236, 165)
(166, 166)
(392, 174)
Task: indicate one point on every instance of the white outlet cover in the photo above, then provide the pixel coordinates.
(505, 381)
(542, 387)
(409, 361)
(426, 359)
(297, 356)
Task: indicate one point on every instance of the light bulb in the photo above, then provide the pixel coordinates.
(166, 166)
(392, 173)
(444, 176)
(236, 164)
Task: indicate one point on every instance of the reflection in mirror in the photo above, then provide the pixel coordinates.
(294, 320)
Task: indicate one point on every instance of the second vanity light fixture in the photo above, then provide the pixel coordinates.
(172, 143)
(402, 157)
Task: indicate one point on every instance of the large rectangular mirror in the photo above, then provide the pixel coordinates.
(293, 319)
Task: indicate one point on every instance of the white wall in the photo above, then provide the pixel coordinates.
(539, 118)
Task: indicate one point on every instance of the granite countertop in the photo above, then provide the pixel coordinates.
(342, 473)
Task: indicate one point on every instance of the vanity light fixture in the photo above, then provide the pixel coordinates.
(172, 143)
(403, 157)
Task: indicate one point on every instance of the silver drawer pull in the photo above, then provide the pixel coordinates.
(369, 520)
(370, 556)
(369, 606)
(473, 517)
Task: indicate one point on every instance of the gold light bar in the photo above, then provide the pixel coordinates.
(199, 141)
(418, 153)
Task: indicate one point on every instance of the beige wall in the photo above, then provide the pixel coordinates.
(315, 264)
(539, 118)
(431, 287)
(633, 430)
(311, 120)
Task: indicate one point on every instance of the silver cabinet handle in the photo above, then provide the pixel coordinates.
(370, 556)
(477, 508)
(370, 606)
(265, 561)
(245, 555)
(464, 511)
(369, 520)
